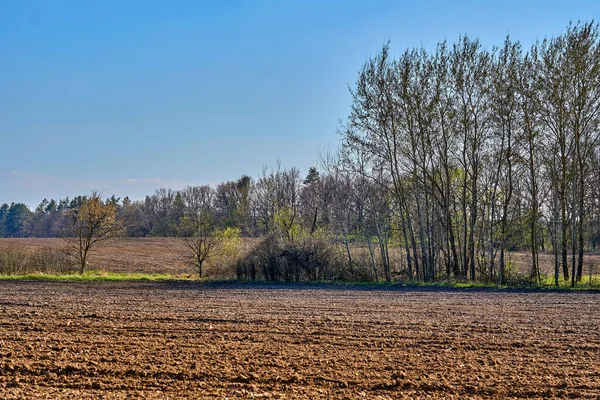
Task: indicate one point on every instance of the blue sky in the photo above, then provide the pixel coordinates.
(128, 96)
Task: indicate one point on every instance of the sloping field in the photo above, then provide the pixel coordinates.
(192, 340)
(145, 255)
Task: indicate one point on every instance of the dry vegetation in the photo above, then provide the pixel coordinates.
(144, 255)
(192, 340)
(167, 256)
(17, 258)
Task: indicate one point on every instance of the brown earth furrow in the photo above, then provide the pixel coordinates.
(193, 340)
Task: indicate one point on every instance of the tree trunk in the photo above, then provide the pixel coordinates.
(555, 243)
(413, 242)
(348, 253)
(406, 246)
(472, 226)
(573, 236)
(372, 258)
(535, 274)
(580, 221)
(83, 260)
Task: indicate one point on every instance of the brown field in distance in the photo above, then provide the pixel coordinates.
(145, 255)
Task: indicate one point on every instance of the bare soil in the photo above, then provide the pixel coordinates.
(218, 340)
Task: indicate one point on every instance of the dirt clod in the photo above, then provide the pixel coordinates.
(190, 340)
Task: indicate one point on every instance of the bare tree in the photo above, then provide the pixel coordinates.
(198, 230)
(94, 221)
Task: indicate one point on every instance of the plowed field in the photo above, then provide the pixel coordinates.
(191, 340)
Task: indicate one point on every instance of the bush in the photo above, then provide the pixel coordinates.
(13, 259)
(308, 259)
(230, 251)
(18, 260)
(52, 260)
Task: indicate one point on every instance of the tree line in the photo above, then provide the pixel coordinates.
(453, 157)
(484, 151)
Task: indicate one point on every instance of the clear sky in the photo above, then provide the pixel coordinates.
(128, 96)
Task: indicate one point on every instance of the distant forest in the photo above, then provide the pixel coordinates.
(454, 156)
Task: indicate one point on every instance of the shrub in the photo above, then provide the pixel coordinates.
(54, 260)
(18, 260)
(308, 259)
(13, 259)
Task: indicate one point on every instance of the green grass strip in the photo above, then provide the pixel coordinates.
(95, 275)
(98, 275)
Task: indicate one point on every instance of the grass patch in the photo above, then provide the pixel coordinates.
(587, 282)
(547, 284)
(97, 275)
